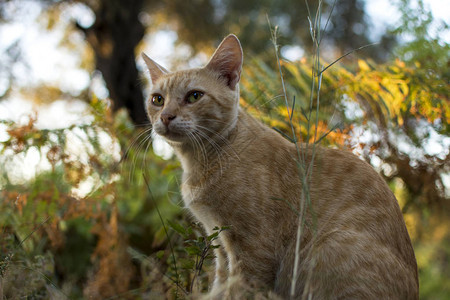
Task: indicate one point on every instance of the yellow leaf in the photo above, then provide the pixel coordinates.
(363, 66)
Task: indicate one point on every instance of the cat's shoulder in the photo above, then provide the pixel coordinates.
(345, 163)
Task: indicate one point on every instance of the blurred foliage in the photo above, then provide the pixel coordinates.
(84, 224)
(417, 26)
(118, 28)
(84, 211)
(347, 29)
(94, 221)
(391, 100)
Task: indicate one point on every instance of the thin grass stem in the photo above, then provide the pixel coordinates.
(347, 54)
(167, 235)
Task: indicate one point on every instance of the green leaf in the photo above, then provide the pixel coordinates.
(193, 250)
(187, 264)
(213, 236)
(178, 228)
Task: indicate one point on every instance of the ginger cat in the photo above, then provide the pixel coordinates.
(354, 244)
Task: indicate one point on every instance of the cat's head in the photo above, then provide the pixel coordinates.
(189, 105)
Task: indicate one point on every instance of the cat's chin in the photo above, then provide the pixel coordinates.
(174, 138)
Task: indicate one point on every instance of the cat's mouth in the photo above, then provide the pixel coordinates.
(172, 135)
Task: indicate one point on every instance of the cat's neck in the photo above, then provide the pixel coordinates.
(201, 155)
(199, 159)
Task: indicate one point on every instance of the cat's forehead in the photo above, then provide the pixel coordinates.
(180, 81)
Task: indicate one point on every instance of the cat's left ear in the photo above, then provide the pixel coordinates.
(227, 60)
(155, 69)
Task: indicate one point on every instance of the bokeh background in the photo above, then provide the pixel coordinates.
(89, 201)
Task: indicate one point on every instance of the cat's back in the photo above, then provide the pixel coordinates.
(356, 235)
(359, 241)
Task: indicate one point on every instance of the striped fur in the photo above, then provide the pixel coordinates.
(240, 173)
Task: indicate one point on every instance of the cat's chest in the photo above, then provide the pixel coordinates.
(202, 204)
(190, 193)
(200, 191)
(200, 184)
(208, 197)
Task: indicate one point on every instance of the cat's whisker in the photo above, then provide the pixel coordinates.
(136, 156)
(144, 161)
(213, 121)
(209, 120)
(203, 148)
(135, 126)
(200, 147)
(216, 134)
(133, 142)
(137, 140)
(222, 139)
(214, 146)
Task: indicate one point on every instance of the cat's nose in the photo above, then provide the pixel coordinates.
(167, 117)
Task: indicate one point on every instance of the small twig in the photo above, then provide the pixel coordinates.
(9, 257)
(4, 264)
(346, 54)
(144, 257)
(45, 277)
(328, 20)
(293, 140)
(328, 132)
(292, 109)
(166, 232)
(34, 230)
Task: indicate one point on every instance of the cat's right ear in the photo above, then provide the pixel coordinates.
(156, 70)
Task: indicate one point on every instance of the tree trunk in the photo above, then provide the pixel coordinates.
(114, 37)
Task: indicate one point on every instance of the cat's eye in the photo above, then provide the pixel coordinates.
(158, 100)
(193, 96)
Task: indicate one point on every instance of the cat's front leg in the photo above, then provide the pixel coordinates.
(227, 283)
(221, 275)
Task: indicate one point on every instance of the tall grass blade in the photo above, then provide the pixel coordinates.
(292, 109)
(166, 232)
(292, 140)
(328, 20)
(345, 55)
(328, 132)
(33, 231)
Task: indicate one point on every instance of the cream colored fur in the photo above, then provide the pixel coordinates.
(354, 244)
